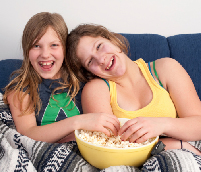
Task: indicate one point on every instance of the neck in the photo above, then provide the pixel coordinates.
(131, 75)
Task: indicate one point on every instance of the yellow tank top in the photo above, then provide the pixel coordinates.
(160, 106)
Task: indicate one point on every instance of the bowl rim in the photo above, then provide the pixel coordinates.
(124, 119)
(114, 148)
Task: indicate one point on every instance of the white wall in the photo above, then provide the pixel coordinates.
(165, 17)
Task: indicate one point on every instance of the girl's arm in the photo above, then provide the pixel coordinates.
(188, 106)
(26, 124)
(95, 98)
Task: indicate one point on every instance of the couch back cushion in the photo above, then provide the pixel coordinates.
(186, 49)
(6, 68)
(149, 47)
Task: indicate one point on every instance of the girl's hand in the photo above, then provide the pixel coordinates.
(142, 128)
(99, 122)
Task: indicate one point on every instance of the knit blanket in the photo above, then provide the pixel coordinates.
(20, 153)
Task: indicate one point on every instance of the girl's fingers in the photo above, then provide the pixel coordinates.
(105, 123)
(141, 139)
(140, 133)
(105, 131)
(139, 136)
(113, 126)
(127, 124)
(129, 128)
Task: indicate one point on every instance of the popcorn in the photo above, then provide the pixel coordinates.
(101, 139)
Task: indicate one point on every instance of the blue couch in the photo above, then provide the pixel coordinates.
(25, 153)
(185, 48)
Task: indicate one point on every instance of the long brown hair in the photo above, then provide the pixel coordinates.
(27, 79)
(92, 30)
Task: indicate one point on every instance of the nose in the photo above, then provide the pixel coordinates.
(45, 52)
(100, 59)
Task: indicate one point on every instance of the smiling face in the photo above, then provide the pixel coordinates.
(101, 57)
(47, 55)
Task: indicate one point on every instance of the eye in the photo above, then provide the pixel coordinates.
(54, 45)
(89, 61)
(98, 46)
(36, 46)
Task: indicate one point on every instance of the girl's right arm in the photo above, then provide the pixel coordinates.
(26, 124)
(96, 99)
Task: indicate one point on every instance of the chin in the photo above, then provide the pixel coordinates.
(121, 72)
(49, 77)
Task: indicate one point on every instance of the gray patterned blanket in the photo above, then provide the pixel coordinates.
(20, 153)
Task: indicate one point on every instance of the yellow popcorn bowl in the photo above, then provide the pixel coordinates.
(103, 157)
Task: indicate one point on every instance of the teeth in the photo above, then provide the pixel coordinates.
(110, 63)
(46, 63)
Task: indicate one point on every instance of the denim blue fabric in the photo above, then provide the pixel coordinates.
(186, 49)
(6, 68)
(149, 47)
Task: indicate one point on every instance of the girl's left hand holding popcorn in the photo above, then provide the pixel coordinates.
(142, 128)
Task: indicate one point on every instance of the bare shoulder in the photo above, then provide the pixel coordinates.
(166, 67)
(96, 85)
(11, 98)
(170, 70)
(96, 97)
(166, 63)
(14, 102)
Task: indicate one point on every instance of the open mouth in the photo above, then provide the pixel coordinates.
(110, 64)
(46, 65)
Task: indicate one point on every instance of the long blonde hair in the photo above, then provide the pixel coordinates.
(26, 79)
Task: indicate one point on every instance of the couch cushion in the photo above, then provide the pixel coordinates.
(149, 47)
(6, 68)
(186, 49)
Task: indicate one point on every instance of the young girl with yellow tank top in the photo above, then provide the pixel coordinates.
(169, 106)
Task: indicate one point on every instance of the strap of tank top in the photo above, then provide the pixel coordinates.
(156, 74)
(150, 69)
(106, 83)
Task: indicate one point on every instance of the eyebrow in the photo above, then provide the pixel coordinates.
(38, 42)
